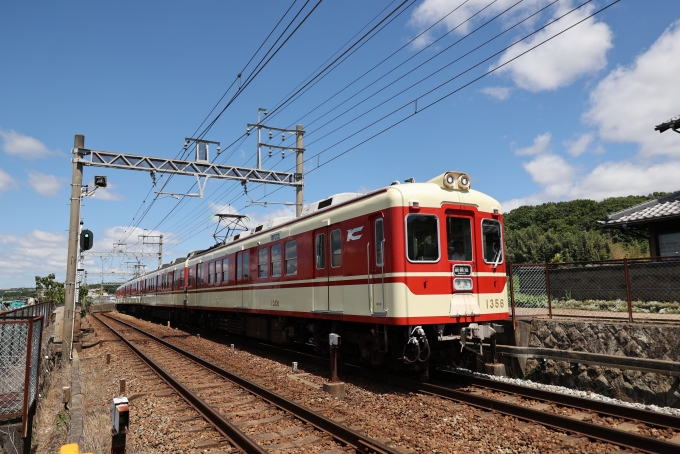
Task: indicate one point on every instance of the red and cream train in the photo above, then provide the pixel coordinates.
(398, 273)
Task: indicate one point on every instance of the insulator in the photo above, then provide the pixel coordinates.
(283, 136)
(247, 131)
(283, 154)
(270, 152)
(270, 135)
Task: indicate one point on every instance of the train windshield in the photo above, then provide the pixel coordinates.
(491, 241)
(459, 239)
(422, 237)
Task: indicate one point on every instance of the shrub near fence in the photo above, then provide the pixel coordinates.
(646, 288)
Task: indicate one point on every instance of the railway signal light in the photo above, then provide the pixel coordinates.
(86, 240)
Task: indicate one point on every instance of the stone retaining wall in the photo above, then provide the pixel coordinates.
(640, 340)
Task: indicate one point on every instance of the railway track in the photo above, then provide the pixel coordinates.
(247, 416)
(637, 429)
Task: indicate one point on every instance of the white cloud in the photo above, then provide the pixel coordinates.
(541, 144)
(500, 93)
(430, 11)
(552, 172)
(580, 145)
(45, 184)
(6, 181)
(107, 193)
(630, 101)
(559, 62)
(22, 146)
(35, 253)
(610, 179)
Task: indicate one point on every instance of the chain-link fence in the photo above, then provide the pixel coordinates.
(20, 340)
(647, 288)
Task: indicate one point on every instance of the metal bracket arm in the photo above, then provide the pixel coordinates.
(126, 161)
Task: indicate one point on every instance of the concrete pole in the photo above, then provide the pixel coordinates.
(160, 251)
(73, 238)
(299, 159)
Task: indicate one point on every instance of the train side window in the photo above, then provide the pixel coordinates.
(422, 237)
(190, 281)
(262, 263)
(459, 238)
(225, 270)
(291, 258)
(321, 251)
(239, 266)
(218, 272)
(200, 276)
(492, 246)
(336, 248)
(276, 260)
(211, 273)
(379, 242)
(245, 265)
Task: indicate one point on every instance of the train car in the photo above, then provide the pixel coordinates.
(403, 274)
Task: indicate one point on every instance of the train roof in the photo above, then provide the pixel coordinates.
(432, 194)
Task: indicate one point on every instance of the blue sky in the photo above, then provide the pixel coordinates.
(570, 119)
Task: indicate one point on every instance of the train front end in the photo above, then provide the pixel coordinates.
(453, 268)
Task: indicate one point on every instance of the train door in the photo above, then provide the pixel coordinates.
(243, 294)
(321, 301)
(463, 258)
(376, 266)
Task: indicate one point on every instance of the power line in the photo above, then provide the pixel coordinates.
(460, 87)
(241, 89)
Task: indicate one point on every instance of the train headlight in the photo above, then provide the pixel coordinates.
(457, 180)
(462, 284)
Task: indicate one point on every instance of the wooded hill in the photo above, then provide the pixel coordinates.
(568, 231)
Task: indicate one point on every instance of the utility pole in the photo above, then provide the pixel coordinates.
(259, 137)
(298, 149)
(73, 240)
(299, 160)
(160, 245)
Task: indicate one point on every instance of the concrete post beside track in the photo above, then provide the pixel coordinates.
(73, 238)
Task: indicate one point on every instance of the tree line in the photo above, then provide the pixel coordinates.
(569, 232)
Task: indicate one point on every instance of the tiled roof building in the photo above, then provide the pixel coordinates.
(660, 217)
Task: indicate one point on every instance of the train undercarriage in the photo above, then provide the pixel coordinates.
(387, 347)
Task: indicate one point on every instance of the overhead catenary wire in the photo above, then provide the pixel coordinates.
(321, 72)
(251, 77)
(427, 106)
(459, 40)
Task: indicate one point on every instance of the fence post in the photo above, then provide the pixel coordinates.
(27, 379)
(512, 300)
(628, 298)
(547, 288)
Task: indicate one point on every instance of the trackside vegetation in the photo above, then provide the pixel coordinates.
(568, 232)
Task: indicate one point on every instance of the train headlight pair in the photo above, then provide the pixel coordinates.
(457, 180)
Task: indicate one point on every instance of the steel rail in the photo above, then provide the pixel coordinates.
(222, 425)
(603, 408)
(590, 430)
(359, 442)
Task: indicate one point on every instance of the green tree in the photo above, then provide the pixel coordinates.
(569, 231)
(51, 290)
